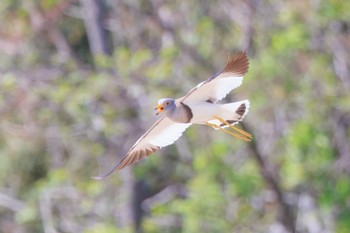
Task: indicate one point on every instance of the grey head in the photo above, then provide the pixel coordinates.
(178, 113)
(166, 105)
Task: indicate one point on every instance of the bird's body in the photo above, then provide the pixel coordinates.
(203, 112)
(206, 112)
(179, 112)
(196, 113)
(199, 106)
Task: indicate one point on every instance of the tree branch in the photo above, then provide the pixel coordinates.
(98, 36)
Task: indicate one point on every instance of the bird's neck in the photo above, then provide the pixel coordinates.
(180, 114)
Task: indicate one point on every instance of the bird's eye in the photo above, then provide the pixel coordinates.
(167, 103)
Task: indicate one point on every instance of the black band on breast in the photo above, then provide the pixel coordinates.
(189, 113)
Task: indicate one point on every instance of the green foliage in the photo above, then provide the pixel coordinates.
(335, 10)
(68, 114)
(103, 228)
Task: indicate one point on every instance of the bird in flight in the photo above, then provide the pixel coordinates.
(199, 106)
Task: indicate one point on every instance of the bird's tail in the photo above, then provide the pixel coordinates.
(232, 113)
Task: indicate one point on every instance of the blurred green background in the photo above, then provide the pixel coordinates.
(79, 80)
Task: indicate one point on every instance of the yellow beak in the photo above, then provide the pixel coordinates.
(159, 108)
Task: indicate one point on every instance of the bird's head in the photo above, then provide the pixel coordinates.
(165, 105)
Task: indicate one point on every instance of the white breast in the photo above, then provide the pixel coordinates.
(203, 112)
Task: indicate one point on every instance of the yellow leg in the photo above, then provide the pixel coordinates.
(234, 127)
(229, 132)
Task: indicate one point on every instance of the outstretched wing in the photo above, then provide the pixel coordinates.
(218, 86)
(162, 133)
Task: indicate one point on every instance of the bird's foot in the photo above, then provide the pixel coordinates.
(241, 131)
(240, 136)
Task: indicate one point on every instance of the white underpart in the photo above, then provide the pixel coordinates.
(228, 112)
(203, 112)
(225, 85)
(215, 89)
(166, 133)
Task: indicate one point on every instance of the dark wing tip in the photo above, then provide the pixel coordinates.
(119, 166)
(107, 174)
(239, 64)
(131, 158)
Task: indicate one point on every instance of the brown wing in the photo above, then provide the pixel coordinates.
(162, 133)
(218, 86)
(130, 158)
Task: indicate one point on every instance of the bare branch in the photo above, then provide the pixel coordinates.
(11, 203)
(98, 36)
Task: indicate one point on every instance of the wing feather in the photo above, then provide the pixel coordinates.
(218, 86)
(162, 133)
(165, 132)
